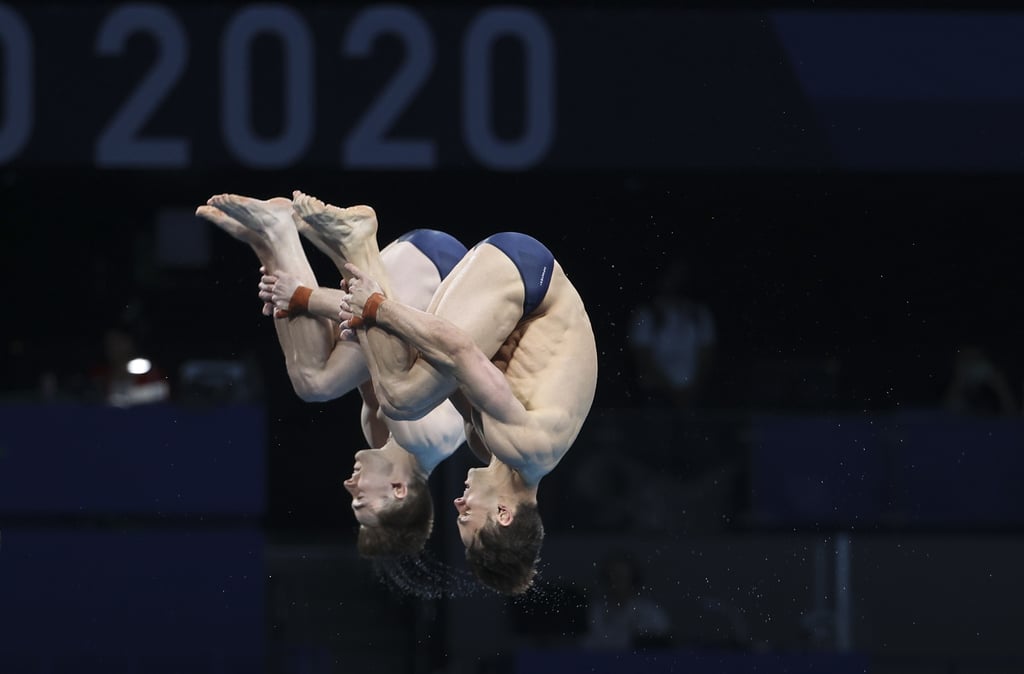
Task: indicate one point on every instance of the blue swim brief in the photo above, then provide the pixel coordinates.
(444, 250)
(533, 260)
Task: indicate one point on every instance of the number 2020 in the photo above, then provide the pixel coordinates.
(121, 144)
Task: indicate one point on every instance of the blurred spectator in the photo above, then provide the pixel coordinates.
(978, 387)
(126, 375)
(672, 339)
(621, 616)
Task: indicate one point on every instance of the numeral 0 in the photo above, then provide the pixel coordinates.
(540, 88)
(16, 41)
(237, 100)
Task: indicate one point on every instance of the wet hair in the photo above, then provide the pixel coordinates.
(403, 527)
(504, 558)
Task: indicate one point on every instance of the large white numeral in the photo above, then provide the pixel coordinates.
(239, 99)
(120, 144)
(18, 99)
(368, 145)
(539, 129)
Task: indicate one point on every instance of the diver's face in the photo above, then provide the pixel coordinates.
(370, 486)
(478, 499)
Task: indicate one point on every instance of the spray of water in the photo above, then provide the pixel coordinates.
(424, 576)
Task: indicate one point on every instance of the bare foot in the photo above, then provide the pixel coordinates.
(343, 228)
(264, 218)
(227, 223)
(307, 232)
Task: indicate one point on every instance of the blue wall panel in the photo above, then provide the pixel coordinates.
(150, 460)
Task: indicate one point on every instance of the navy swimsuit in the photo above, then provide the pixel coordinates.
(444, 250)
(533, 260)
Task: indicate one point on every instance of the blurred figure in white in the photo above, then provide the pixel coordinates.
(621, 615)
(672, 339)
(978, 387)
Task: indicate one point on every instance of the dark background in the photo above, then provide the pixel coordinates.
(846, 196)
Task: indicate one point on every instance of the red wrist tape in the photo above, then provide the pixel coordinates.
(369, 316)
(373, 302)
(300, 300)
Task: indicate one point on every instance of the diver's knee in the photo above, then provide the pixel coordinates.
(309, 388)
(400, 402)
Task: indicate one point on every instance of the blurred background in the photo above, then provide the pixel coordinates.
(797, 230)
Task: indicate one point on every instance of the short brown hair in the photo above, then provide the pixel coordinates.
(504, 558)
(403, 527)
